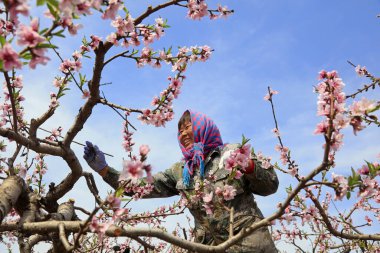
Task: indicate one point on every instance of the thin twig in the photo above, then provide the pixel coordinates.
(71, 74)
(122, 54)
(11, 97)
(82, 210)
(374, 80)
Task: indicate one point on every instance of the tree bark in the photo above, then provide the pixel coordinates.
(10, 190)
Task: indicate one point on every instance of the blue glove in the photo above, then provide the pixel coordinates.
(94, 157)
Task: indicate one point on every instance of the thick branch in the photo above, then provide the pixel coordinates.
(151, 10)
(68, 183)
(86, 110)
(62, 237)
(37, 147)
(12, 159)
(10, 190)
(36, 123)
(31, 241)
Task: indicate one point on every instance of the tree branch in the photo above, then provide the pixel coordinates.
(62, 237)
(11, 97)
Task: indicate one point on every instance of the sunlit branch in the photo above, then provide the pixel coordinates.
(63, 238)
(12, 159)
(36, 123)
(37, 147)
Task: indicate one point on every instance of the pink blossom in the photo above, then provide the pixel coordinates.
(293, 170)
(56, 131)
(38, 57)
(370, 187)
(131, 170)
(112, 38)
(9, 58)
(269, 95)
(123, 26)
(223, 10)
(208, 209)
(322, 74)
(361, 71)
(359, 108)
(113, 201)
(218, 191)
(229, 192)
(17, 82)
(197, 9)
(276, 132)
(95, 40)
(16, 7)
(341, 189)
(21, 170)
(28, 35)
(207, 198)
(99, 228)
(144, 150)
(356, 123)
(369, 221)
(86, 94)
(111, 11)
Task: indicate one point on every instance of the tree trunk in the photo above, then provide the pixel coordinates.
(10, 190)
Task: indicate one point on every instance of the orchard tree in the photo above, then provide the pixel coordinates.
(31, 211)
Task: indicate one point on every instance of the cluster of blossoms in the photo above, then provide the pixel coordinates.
(127, 138)
(361, 71)
(164, 105)
(164, 109)
(238, 160)
(209, 196)
(269, 95)
(67, 11)
(331, 105)
(129, 34)
(55, 133)
(198, 9)
(29, 38)
(68, 66)
(99, 224)
(133, 170)
(358, 110)
(16, 85)
(264, 160)
(36, 178)
(342, 186)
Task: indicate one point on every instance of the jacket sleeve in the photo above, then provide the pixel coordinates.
(262, 181)
(164, 183)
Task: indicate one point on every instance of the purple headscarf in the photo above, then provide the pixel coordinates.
(206, 138)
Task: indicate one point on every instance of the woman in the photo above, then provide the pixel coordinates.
(211, 191)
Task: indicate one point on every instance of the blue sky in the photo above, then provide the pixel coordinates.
(283, 44)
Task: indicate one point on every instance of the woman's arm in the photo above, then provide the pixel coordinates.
(261, 181)
(164, 183)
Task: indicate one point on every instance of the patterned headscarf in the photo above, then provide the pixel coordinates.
(206, 138)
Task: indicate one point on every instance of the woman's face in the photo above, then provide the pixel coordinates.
(186, 136)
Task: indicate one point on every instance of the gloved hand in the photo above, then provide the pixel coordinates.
(94, 157)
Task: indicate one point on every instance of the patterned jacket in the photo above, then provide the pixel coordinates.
(214, 229)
